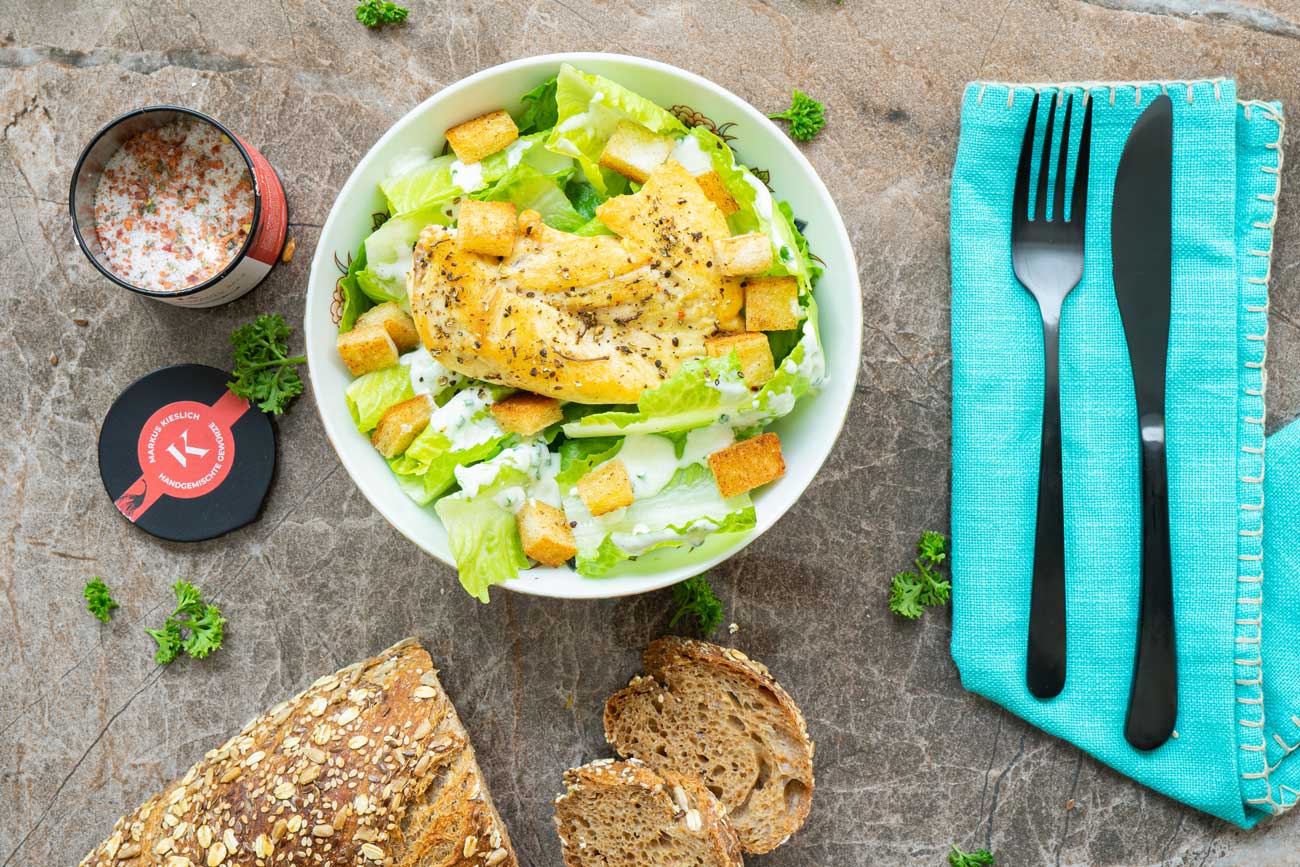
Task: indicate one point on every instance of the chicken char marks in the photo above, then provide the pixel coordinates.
(586, 319)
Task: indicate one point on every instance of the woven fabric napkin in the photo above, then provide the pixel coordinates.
(1233, 527)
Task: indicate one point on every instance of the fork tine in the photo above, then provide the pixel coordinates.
(1020, 199)
(1045, 163)
(1062, 163)
(1079, 201)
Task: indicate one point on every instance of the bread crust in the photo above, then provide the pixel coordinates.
(679, 796)
(665, 654)
(369, 765)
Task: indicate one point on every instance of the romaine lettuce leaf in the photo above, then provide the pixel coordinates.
(589, 107)
(540, 112)
(483, 535)
(699, 393)
(369, 396)
(529, 188)
(389, 253)
(802, 371)
(421, 184)
(687, 511)
(355, 302)
(428, 467)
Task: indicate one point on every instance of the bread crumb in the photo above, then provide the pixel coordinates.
(287, 254)
(733, 628)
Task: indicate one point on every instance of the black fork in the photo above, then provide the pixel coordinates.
(1047, 255)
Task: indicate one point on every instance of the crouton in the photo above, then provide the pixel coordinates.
(716, 191)
(401, 424)
(545, 533)
(747, 464)
(482, 136)
(526, 413)
(606, 488)
(754, 351)
(634, 151)
(367, 349)
(487, 227)
(742, 255)
(771, 303)
(396, 321)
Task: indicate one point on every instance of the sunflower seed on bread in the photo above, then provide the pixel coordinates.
(713, 712)
(368, 766)
(624, 814)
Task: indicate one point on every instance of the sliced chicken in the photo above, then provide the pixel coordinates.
(586, 319)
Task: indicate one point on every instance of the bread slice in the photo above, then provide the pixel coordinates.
(713, 712)
(367, 766)
(624, 814)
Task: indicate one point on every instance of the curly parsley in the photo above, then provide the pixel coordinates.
(806, 115)
(195, 627)
(910, 593)
(99, 601)
(978, 858)
(695, 596)
(376, 13)
(264, 372)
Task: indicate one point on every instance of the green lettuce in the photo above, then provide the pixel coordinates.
(426, 183)
(369, 396)
(589, 108)
(483, 535)
(529, 188)
(428, 467)
(355, 302)
(389, 253)
(540, 112)
(687, 511)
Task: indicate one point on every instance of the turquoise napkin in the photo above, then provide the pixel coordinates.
(1233, 527)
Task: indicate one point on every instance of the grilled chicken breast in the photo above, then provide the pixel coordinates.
(585, 319)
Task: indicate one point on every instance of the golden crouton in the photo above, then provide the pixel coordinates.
(401, 424)
(634, 151)
(367, 348)
(716, 191)
(747, 464)
(742, 255)
(525, 413)
(545, 533)
(486, 227)
(754, 351)
(482, 136)
(771, 303)
(396, 321)
(606, 488)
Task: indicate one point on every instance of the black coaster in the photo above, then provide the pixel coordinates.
(183, 458)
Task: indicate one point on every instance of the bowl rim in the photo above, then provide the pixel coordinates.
(601, 589)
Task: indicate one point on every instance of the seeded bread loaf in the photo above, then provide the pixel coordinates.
(367, 766)
(704, 710)
(624, 814)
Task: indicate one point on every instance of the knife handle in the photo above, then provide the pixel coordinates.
(1153, 701)
(1045, 657)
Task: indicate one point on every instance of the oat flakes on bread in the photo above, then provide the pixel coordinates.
(710, 711)
(368, 766)
(625, 814)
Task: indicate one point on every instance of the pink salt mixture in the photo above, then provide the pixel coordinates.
(174, 206)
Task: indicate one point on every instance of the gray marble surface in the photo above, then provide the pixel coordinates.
(907, 761)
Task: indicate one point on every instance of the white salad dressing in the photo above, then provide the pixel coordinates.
(688, 152)
(642, 538)
(515, 152)
(468, 177)
(428, 375)
(650, 461)
(465, 419)
(532, 458)
(702, 442)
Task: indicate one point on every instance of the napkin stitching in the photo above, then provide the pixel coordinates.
(1088, 86)
(1250, 687)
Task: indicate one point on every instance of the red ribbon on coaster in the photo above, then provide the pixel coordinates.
(185, 450)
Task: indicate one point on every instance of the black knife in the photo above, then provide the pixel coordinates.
(1140, 245)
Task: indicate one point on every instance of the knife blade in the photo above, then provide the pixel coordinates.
(1141, 218)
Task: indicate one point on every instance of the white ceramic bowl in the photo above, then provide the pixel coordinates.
(806, 435)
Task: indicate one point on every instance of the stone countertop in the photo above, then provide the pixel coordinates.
(907, 761)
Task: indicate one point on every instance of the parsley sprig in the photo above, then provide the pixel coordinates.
(695, 596)
(911, 593)
(806, 115)
(978, 858)
(99, 601)
(376, 13)
(264, 372)
(195, 627)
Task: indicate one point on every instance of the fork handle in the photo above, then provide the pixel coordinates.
(1045, 660)
(1153, 699)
